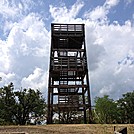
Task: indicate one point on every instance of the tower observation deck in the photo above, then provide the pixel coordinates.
(68, 86)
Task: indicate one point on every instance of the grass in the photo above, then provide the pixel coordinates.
(67, 129)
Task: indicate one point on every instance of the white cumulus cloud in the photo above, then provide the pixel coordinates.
(36, 80)
(24, 50)
(63, 14)
(27, 47)
(99, 13)
(106, 45)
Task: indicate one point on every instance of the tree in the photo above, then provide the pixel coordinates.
(126, 108)
(19, 107)
(105, 110)
(6, 102)
(30, 102)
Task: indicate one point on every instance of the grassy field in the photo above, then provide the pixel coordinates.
(67, 129)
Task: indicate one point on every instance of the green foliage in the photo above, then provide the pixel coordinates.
(109, 111)
(18, 107)
(126, 108)
(105, 110)
(6, 102)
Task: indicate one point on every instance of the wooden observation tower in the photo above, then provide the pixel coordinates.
(68, 87)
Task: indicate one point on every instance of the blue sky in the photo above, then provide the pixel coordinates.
(25, 42)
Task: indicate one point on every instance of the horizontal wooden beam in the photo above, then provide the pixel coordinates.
(68, 86)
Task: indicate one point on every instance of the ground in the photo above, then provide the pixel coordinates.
(67, 129)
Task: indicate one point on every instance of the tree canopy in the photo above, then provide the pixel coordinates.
(126, 108)
(20, 107)
(105, 109)
(109, 111)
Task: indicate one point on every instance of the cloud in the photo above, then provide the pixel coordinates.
(7, 9)
(12, 11)
(12, 7)
(108, 77)
(110, 3)
(106, 45)
(99, 13)
(128, 2)
(6, 78)
(27, 48)
(36, 80)
(24, 52)
(4, 57)
(63, 14)
(94, 50)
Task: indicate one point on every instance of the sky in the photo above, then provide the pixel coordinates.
(25, 39)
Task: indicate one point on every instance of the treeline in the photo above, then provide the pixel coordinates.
(22, 106)
(27, 106)
(108, 111)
